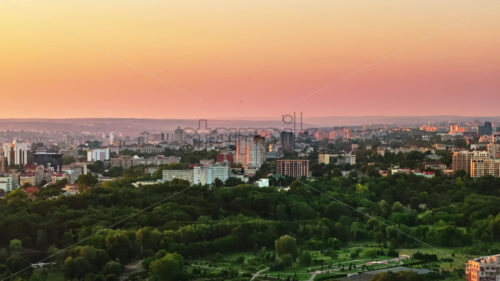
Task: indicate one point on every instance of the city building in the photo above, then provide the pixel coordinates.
(30, 179)
(178, 135)
(461, 160)
(324, 158)
(71, 189)
(224, 157)
(348, 158)
(2, 164)
(287, 140)
(484, 167)
(98, 154)
(321, 135)
(123, 161)
(435, 165)
(55, 177)
(338, 159)
(262, 183)
(483, 269)
(428, 128)
(169, 175)
(494, 150)
(6, 183)
(199, 174)
(293, 168)
(485, 129)
(208, 174)
(73, 171)
(251, 151)
(49, 160)
(16, 153)
(455, 129)
(150, 149)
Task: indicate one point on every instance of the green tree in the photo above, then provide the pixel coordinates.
(119, 246)
(305, 258)
(42, 242)
(85, 182)
(286, 244)
(82, 267)
(68, 159)
(168, 268)
(15, 245)
(16, 262)
(113, 267)
(286, 260)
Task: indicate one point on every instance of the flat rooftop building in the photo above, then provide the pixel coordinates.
(483, 269)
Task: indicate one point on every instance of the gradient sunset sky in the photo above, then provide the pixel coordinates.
(238, 59)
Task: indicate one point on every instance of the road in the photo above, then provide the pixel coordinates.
(258, 273)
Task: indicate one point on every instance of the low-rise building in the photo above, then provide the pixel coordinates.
(199, 174)
(435, 165)
(55, 177)
(73, 171)
(262, 183)
(169, 175)
(71, 189)
(339, 159)
(483, 269)
(293, 168)
(6, 183)
(28, 179)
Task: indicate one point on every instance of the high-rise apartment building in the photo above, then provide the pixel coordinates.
(483, 167)
(251, 151)
(461, 160)
(293, 168)
(178, 134)
(2, 164)
(476, 163)
(483, 269)
(287, 141)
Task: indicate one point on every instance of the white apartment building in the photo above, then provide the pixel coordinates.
(98, 154)
(169, 175)
(199, 175)
(262, 183)
(6, 183)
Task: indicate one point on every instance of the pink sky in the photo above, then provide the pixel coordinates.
(248, 58)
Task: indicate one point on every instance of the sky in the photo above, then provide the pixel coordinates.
(244, 59)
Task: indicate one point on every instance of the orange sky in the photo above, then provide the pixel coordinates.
(231, 58)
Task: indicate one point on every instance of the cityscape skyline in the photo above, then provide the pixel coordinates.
(249, 140)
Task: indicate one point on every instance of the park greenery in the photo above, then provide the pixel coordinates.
(333, 225)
